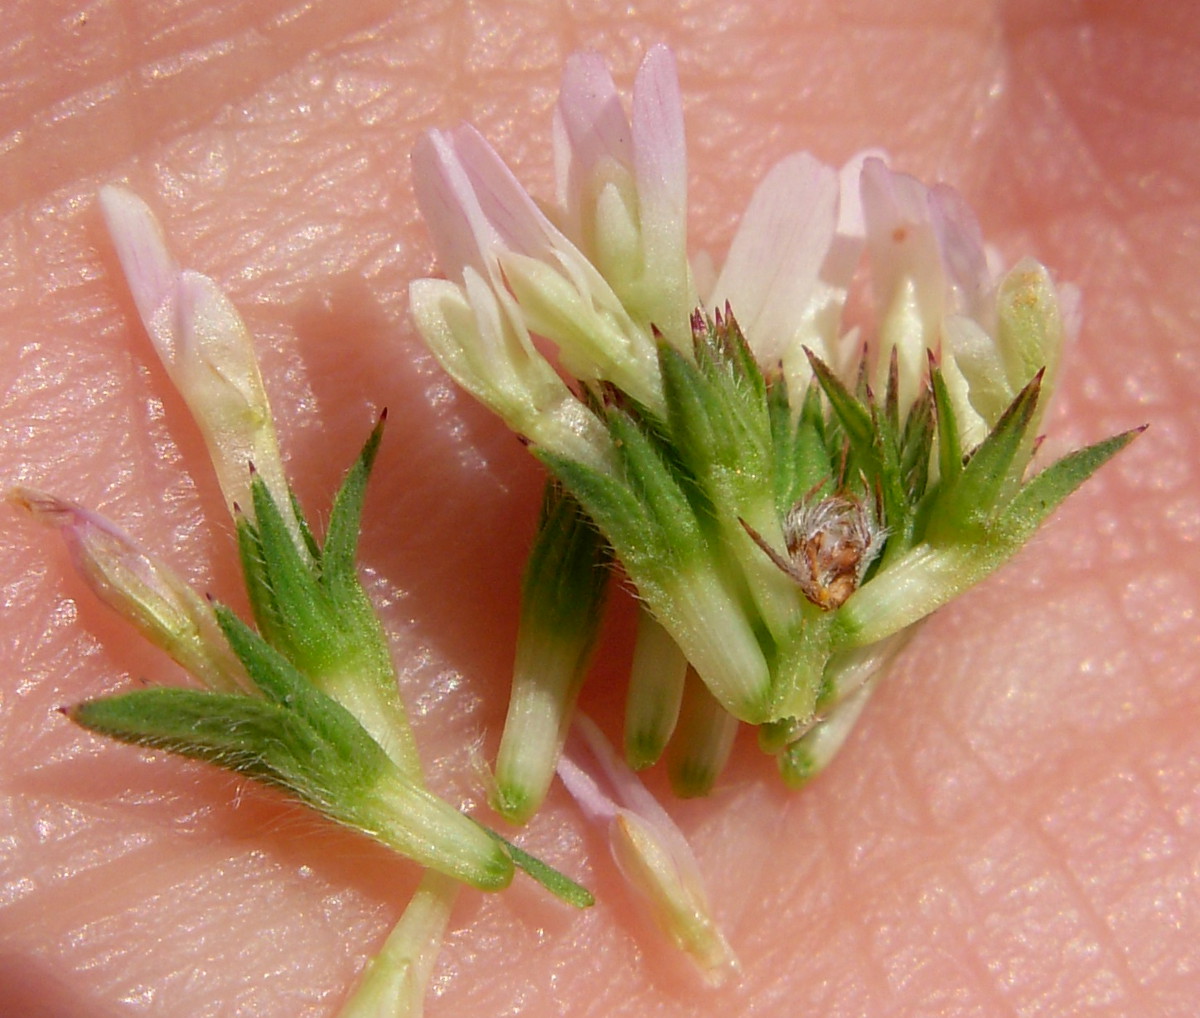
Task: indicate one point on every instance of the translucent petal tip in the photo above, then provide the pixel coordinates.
(141, 247)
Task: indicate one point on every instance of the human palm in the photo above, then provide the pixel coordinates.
(1012, 826)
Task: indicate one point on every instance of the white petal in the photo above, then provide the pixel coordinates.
(777, 254)
(963, 258)
(660, 169)
(975, 378)
(216, 372)
(902, 243)
(477, 335)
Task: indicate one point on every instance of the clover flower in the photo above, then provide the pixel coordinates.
(786, 493)
(206, 349)
(142, 589)
(648, 848)
(306, 700)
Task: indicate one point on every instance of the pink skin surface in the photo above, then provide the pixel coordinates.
(1014, 826)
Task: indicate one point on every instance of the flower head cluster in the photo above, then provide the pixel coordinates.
(786, 493)
(305, 700)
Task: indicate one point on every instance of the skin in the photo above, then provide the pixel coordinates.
(1012, 828)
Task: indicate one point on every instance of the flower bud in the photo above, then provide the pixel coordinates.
(141, 589)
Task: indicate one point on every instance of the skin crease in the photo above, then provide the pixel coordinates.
(1012, 829)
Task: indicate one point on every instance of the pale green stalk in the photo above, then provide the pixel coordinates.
(394, 982)
(547, 676)
(703, 740)
(805, 758)
(431, 832)
(562, 600)
(656, 680)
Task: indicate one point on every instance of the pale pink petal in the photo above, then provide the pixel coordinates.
(515, 216)
(589, 125)
(961, 243)
(597, 807)
(151, 272)
(851, 222)
(628, 790)
(476, 208)
(850, 234)
(901, 240)
(651, 852)
(206, 350)
(590, 111)
(474, 205)
(446, 196)
(778, 253)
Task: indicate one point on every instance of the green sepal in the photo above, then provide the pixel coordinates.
(306, 534)
(324, 765)
(1046, 491)
(874, 456)
(556, 882)
(936, 570)
(311, 604)
(722, 346)
(883, 473)
(693, 418)
(718, 419)
(297, 605)
(307, 744)
(950, 450)
(802, 459)
(854, 418)
(916, 446)
(339, 556)
(280, 682)
(567, 572)
(887, 460)
(644, 512)
(891, 398)
(255, 577)
(991, 475)
(799, 666)
(733, 390)
(618, 512)
(657, 486)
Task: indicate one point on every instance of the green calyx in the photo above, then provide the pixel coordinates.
(307, 600)
(771, 533)
(298, 739)
(322, 717)
(562, 600)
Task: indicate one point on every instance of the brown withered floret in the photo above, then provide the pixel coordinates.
(830, 544)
